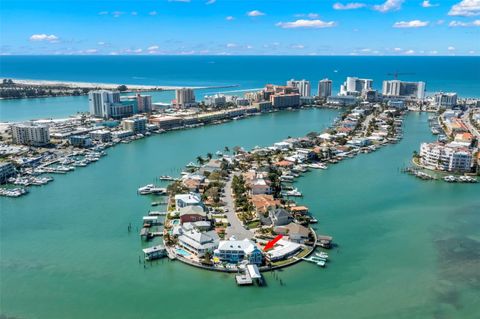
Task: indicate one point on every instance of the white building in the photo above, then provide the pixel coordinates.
(446, 100)
(185, 97)
(235, 251)
(191, 199)
(101, 136)
(355, 86)
(303, 86)
(30, 134)
(217, 100)
(324, 88)
(446, 157)
(198, 242)
(101, 101)
(136, 125)
(397, 88)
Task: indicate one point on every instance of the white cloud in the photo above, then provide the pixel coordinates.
(102, 13)
(117, 14)
(91, 51)
(255, 13)
(365, 50)
(231, 45)
(153, 13)
(308, 15)
(397, 49)
(153, 48)
(348, 6)
(389, 5)
(450, 48)
(249, 47)
(306, 24)
(134, 13)
(298, 46)
(210, 1)
(410, 24)
(427, 4)
(471, 52)
(101, 43)
(465, 8)
(454, 23)
(409, 52)
(44, 37)
(434, 52)
(230, 18)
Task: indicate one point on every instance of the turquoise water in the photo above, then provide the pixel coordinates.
(407, 248)
(453, 74)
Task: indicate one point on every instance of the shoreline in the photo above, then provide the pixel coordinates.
(97, 85)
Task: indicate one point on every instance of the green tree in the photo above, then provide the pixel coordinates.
(122, 88)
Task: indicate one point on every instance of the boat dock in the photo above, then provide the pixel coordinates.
(155, 252)
(252, 274)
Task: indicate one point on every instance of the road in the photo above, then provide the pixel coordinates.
(466, 120)
(236, 227)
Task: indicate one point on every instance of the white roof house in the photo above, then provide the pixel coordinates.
(191, 199)
(198, 242)
(283, 249)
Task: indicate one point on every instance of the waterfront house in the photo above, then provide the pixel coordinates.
(190, 199)
(260, 186)
(263, 202)
(211, 166)
(235, 251)
(295, 232)
(279, 217)
(198, 242)
(190, 214)
(283, 249)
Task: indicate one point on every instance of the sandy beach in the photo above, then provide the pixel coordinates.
(108, 86)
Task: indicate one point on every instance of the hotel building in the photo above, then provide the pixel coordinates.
(30, 134)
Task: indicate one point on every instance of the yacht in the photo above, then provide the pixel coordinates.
(151, 189)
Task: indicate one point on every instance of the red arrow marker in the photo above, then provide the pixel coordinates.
(272, 243)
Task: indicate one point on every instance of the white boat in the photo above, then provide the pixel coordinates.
(450, 179)
(151, 189)
(166, 178)
(313, 220)
(317, 166)
(322, 255)
(294, 193)
(321, 263)
(192, 165)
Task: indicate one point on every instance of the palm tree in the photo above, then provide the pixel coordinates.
(209, 156)
(226, 149)
(200, 160)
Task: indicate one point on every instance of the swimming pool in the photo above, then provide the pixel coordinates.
(182, 252)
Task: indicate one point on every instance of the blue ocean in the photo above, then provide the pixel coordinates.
(450, 74)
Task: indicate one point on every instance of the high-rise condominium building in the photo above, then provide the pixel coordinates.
(397, 88)
(185, 97)
(100, 102)
(355, 86)
(324, 88)
(30, 134)
(303, 86)
(144, 103)
(447, 100)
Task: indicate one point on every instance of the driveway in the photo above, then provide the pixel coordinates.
(236, 227)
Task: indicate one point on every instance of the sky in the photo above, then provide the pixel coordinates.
(240, 27)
